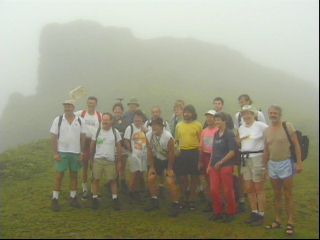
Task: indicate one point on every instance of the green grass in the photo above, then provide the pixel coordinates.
(27, 175)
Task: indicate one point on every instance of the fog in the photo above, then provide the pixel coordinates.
(281, 34)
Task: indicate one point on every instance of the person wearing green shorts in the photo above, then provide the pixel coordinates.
(68, 137)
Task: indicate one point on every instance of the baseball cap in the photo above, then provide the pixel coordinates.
(69, 101)
(134, 101)
(249, 108)
(211, 112)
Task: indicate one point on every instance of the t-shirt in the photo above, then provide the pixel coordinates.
(138, 141)
(222, 145)
(206, 139)
(91, 122)
(120, 124)
(188, 135)
(260, 118)
(255, 141)
(69, 138)
(159, 144)
(149, 128)
(105, 144)
(278, 143)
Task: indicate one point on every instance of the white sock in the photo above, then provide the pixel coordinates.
(85, 187)
(114, 196)
(154, 197)
(73, 194)
(55, 195)
(261, 214)
(95, 196)
(254, 211)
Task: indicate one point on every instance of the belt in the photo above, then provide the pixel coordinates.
(245, 155)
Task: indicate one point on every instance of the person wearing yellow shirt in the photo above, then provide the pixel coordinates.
(188, 134)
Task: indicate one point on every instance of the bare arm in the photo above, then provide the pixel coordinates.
(297, 149)
(150, 156)
(54, 141)
(127, 145)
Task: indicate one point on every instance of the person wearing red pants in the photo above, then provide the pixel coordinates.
(220, 171)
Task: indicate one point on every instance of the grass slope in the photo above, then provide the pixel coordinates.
(27, 175)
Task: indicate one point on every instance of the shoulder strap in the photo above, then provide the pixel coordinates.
(59, 125)
(83, 113)
(284, 125)
(115, 135)
(79, 121)
(99, 117)
(98, 132)
(131, 127)
(239, 119)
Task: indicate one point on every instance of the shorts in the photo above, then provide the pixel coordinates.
(187, 163)
(137, 164)
(281, 169)
(103, 166)
(205, 160)
(160, 166)
(253, 169)
(69, 161)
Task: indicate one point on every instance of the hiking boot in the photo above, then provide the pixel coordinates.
(85, 195)
(55, 205)
(116, 204)
(252, 218)
(208, 208)
(192, 206)
(242, 207)
(175, 209)
(154, 205)
(259, 221)
(95, 203)
(74, 202)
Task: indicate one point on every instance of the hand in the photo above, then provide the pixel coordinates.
(299, 167)
(208, 169)
(81, 157)
(170, 172)
(243, 138)
(218, 165)
(57, 157)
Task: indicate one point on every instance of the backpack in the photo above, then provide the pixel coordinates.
(303, 142)
(60, 122)
(83, 113)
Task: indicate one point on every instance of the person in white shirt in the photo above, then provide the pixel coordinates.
(251, 138)
(107, 159)
(68, 136)
(135, 142)
(92, 120)
(245, 99)
(161, 163)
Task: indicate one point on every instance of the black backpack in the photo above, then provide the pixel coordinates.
(303, 142)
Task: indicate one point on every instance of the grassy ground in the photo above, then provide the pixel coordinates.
(27, 175)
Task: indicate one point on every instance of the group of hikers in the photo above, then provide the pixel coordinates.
(233, 157)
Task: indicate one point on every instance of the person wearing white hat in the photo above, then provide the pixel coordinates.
(206, 150)
(68, 136)
(250, 136)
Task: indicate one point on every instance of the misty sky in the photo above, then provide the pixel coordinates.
(282, 34)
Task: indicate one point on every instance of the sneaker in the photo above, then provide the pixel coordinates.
(74, 202)
(208, 208)
(175, 209)
(259, 221)
(192, 206)
(85, 195)
(55, 205)
(116, 204)
(154, 205)
(95, 203)
(215, 218)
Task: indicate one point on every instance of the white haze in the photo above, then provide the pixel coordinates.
(281, 34)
